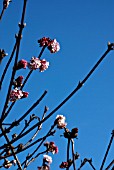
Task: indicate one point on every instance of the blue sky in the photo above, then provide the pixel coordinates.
(83, 29)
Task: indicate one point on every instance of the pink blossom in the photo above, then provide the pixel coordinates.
(44, 65)
(54, 46)
(47, 159)
(25, 94)
(21, 64)
(44, 41)
(17, 94)
(60, 121)
(34, 64)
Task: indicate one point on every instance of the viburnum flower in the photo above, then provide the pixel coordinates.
(44, 41)
(6, 3)
(21, 64)
(60, 121)
(44, 65)
(54, 46)
(51, 147)
(17, 94)
(34, 64)
(47, 159)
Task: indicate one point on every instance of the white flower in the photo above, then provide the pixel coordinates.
(47, 159)
(34, 64)
(60, 120)
(54, 46)
(44, 65)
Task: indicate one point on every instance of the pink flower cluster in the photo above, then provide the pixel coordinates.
(36, 63)
(17, 94)
(44, 41)
(53, 45)
(6, 3)
(60, 122)
(51, 147)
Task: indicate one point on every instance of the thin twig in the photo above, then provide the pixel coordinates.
(14, 155)
(73, 155)
(7, 65)
(109, 166)
(2, 13)
(43, 139)
(107, 151)
(68, 149)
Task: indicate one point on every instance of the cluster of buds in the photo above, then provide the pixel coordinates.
(7, 164)
(69, 162)
(36, 63)
(18, 82)
(52, 45)
(47, 160)
(6, 3)
(21, 64)
(64, 165)
(2, 54)
(60, 122)
(71, 134)
(51, 147)
(17, 94)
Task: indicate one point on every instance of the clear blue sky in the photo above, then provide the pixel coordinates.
(83, 29)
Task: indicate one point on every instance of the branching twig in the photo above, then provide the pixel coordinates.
(24, 115)
(72, 93)
(18, 39)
